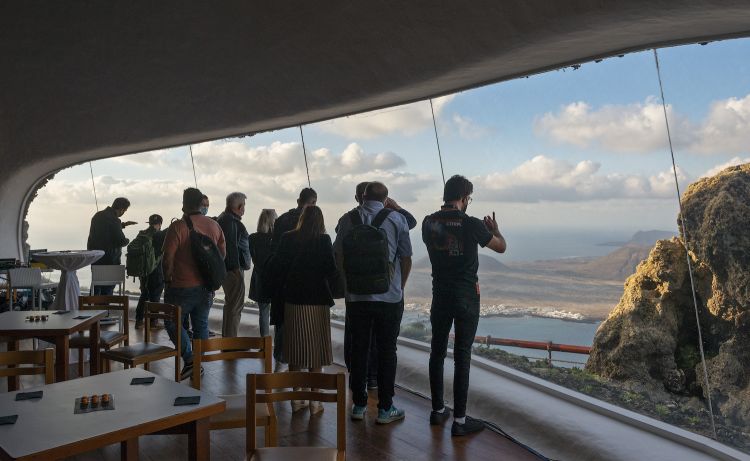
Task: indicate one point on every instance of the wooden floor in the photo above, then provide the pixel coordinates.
(411, 439)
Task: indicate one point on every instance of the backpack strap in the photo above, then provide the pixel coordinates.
(189, 222)
(380, 217)
(355, 218)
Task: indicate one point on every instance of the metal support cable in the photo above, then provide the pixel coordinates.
(93, 185)
(304, 152)
(687, 248)
(437, 141)
(195, 177)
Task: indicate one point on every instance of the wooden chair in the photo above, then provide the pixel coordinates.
(43, 361)
(108, 338)
(147, 352)
(232, 349)
(271, 383)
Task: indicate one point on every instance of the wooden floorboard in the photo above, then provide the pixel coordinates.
(411, 439)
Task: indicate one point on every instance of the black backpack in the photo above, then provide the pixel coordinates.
(207, 258)
(367, 267)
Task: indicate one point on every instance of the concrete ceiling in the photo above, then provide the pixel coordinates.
(83, 80)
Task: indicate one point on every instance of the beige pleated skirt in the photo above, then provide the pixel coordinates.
(307, 336)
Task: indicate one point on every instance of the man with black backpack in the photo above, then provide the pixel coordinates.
(372, 361)
(376, 249)
(452, 238)
(143, 260)
(194, 251)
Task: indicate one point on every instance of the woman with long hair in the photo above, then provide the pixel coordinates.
(305, 256)
(260, 251)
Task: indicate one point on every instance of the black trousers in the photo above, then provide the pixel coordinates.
(384, 321)
(151, 290)
(461, 312)
(372, 362)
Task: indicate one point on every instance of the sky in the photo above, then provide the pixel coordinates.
(563, 157)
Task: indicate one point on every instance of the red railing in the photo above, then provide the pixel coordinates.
(548, 346)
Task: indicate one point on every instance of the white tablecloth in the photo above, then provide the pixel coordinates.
(68, 262)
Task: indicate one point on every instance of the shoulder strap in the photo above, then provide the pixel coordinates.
(380, 217)
(189, 222)
(355, 218)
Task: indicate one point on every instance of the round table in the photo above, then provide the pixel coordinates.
(68, 262)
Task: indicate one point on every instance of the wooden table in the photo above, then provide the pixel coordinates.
(57, 329)
(48, 428)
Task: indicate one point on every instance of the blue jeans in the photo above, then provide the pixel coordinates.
(195, 304)
(461, 313)
(104, 290)
(264, 318)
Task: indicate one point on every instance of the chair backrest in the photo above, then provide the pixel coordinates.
(230, 349)
(108, 303)
(25, 277)
(273, 388)
(155, 311)
(43, 362)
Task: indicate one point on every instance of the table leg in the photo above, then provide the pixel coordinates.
(199, 443)
(12, 380)
(94, 334)
(62, 349)
(129, 450)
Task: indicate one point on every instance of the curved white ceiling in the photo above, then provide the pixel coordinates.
(84, 80)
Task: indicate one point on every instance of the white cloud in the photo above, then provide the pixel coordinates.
(408, 119)
(468, 128)
(154, 159)
(640, 127)
(548, 179)
(731, 162)
(726, 128)
(621, 128)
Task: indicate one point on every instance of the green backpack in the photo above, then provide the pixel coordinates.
(141, 260)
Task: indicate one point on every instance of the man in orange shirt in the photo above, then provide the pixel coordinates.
(184, 285)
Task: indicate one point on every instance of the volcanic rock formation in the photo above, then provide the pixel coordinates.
(651, 338)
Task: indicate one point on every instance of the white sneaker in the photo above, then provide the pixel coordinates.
(280, 367)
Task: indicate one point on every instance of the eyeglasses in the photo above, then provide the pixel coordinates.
(469, 199)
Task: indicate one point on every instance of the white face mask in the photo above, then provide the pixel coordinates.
(204, 210)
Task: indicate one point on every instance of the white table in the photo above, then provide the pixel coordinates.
(68, 262)
(48, 428)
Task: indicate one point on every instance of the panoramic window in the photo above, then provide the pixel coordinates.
(576, 166)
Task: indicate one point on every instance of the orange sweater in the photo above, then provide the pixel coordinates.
(180, 270)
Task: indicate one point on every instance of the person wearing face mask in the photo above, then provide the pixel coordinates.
(452, 238)
(204, 205)
(106, 234)
(236, 262)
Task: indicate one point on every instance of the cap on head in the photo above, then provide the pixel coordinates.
(155, 219)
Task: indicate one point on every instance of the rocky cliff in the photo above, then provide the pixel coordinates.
(651, 338)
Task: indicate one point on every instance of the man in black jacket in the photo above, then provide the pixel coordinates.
(152, 285)
(106, 234)
(236, 262)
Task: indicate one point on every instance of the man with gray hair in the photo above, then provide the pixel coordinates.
(237, 262)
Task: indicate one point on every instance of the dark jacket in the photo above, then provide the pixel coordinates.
(106, 234)
(285, 223)
(238, 246)
(260, 251)
(302, 270)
